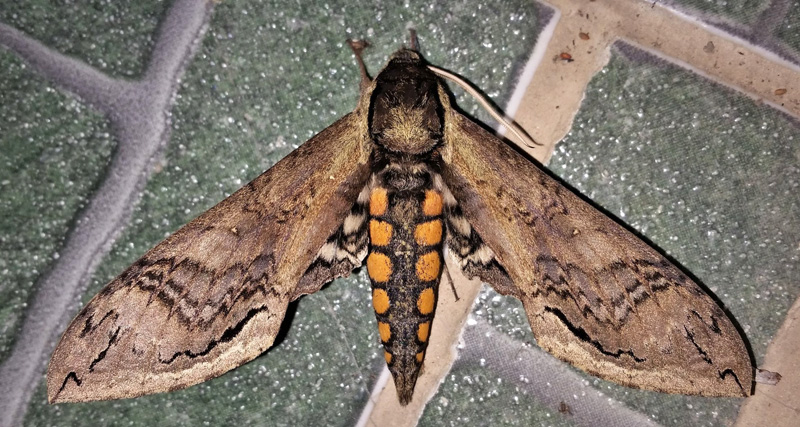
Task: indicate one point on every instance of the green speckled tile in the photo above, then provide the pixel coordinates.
(788, 29)
(53, 152)
(745, 12)
(473, 395)
(113, 36)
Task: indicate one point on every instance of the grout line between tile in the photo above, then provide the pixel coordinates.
(138, 113)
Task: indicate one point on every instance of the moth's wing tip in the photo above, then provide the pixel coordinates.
(744, 392)
(52, 396)
(736, 370)
(55, 381)
(60, 388)
(59, 392)
(56, 397)
(743, 381)
(728, 388)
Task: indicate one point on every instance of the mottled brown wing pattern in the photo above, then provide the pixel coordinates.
(596, 296)
(212, 296)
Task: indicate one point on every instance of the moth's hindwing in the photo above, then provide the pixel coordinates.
(212, 296)
(596, 296)
(344, 250)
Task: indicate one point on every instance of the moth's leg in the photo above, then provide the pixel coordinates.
(358, 46)
(450, 279)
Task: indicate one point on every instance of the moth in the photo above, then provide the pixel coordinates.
(392, 185)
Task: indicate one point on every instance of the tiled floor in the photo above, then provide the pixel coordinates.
(707, 173)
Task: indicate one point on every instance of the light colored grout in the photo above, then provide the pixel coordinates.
(761, 32)
(526, 77)
(549, 103)
(734, 62)
(702, 73)
(137, 111)
(70, 74)
(367, 413)
(553, 98)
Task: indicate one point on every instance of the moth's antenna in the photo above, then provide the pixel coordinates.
(413, 42)
(513, 127)
(358, 47)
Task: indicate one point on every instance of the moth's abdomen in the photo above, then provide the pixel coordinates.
(404, 265)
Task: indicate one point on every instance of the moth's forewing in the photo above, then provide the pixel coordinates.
(212, 295)
(596, 296)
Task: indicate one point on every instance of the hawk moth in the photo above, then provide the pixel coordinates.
(392, 185)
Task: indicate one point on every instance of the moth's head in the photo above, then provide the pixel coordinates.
(405, 113)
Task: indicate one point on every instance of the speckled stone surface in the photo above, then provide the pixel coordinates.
(53, 152)
(706, 174)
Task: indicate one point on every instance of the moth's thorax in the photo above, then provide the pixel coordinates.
(406, 114)
(406, 234)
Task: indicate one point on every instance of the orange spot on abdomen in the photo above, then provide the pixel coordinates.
(428, 233)
(380, 301)
(378, 201)
(379, 267)
(425, 301)
(428, 266)
(432, 205)
(380, 232)
(385, 331)
(423, 330)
